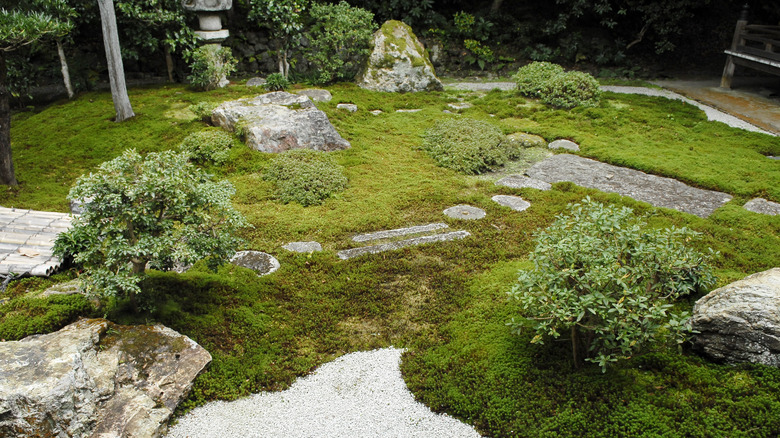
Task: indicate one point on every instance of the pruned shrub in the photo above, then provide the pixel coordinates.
(607, 282)
(276, 82)
(203, 110)
(467, 145)
(531, 78)
(305, 176)
(210, 65)
(340, 40)
(207, 146)
(571, 89)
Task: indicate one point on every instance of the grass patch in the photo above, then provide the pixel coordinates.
(444, 302)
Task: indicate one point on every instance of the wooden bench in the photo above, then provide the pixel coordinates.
(754, 46)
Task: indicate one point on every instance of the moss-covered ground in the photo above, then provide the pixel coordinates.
(446, 303)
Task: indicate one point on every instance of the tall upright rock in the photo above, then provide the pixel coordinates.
(398, 63)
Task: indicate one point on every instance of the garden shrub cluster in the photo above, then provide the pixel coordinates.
(203, 110)
(468, 145)
(305, 176)
(556, 87)
(210, 65)
(207, 146)
(606, 281)
(276, 82)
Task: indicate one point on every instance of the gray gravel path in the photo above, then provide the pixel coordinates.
(357, 395)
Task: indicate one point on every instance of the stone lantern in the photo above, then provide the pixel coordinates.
(209, 14)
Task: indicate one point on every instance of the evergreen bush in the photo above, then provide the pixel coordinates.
(210, 65)
(305, 176)
(276, 82)
(571, 89)
(203, 110)
(207, 146)
(467, 145)
(531, 78)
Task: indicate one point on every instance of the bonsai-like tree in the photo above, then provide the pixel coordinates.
(284, 18)
(154, 210)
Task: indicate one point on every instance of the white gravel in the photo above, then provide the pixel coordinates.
(357, 395)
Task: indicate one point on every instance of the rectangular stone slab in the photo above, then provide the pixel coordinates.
(398, 232)
(373, 249)
(655, 190)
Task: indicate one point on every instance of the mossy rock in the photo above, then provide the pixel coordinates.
(525, 140)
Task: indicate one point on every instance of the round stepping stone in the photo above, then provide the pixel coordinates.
(376, 112)
(519, 182)
(303, 247)
(773, 158)
(514, 202)
(316, 94)
(465, 212)
(351, 107)
(255, 82)
(257, 261)
(762, 206)
(460, 106)
(564, 144)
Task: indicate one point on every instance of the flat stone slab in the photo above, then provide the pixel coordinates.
(316, 94)
(416, 110)
(351, 107)
(387, 234)
(260, 262)
(303, 247)
(465, 212)
(761, 205)
(564, 144)
(483, 86)
(27, 239)
(655, 190)
(256, 82)
(520, 182)
(460, 106)
(514, 202)
(374, 249)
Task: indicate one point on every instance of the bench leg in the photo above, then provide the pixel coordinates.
(728, 73)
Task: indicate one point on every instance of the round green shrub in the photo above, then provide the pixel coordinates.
(207, 146)
(203, 110)
(571, 89)
(532, 77)
(467, 145)
(305, 176)
(210, 65)
(276, 82)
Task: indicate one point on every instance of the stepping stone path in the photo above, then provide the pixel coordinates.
(465, 212)
(351, 107)
(514, 202)
(564, 144)
(257, 261)
(400, 232)
(26, 241)
(519, 182)
(655, 190)
(303, 247)
(762, 206)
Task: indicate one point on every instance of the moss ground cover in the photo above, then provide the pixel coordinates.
(446, 303)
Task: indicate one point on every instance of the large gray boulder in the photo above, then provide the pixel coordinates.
(740, 322)
(94, 378)
(279, 121)
(398, 63)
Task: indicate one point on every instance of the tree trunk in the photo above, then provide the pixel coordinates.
(168, 62)
(495, 6)
(64, 66)
(116, 73)
(7, 176)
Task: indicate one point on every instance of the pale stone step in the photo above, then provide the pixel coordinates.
(386, 234)
(374, 249)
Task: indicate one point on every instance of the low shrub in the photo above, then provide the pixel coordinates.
(571, 89)
(203, 110)
(467, 145)
(531, 78)
(210, 66)
(276, 82)
(305, 176)
(207, 146)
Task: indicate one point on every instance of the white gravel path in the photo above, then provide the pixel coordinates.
(357, 395)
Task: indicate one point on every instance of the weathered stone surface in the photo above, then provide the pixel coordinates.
(94, 378)
(465, 212)
(519, 182)
(376, 112)
(206, 5)
(761, 205)
(279, 121)
(514, 202)
(351, 107)
(260, 262)
(564, 144)
(398, 62)
(655, 190)
(65, 288)
(740, 322)
(524, 140)
(459, 106)
(303, 247)
(413, 110)
(256, 82)
(373, 249)
(388, 234)
(316, 94)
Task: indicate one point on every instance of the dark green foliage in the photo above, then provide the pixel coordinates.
(531, 78)
(207, 146)
(210, 65)
(570, 90)
(467, 145)
(305, 176)
(276, 82)
(339, 40)
(203, 110)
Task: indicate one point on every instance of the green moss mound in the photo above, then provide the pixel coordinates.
(305, 176)
(207, 146)
(467, 145)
